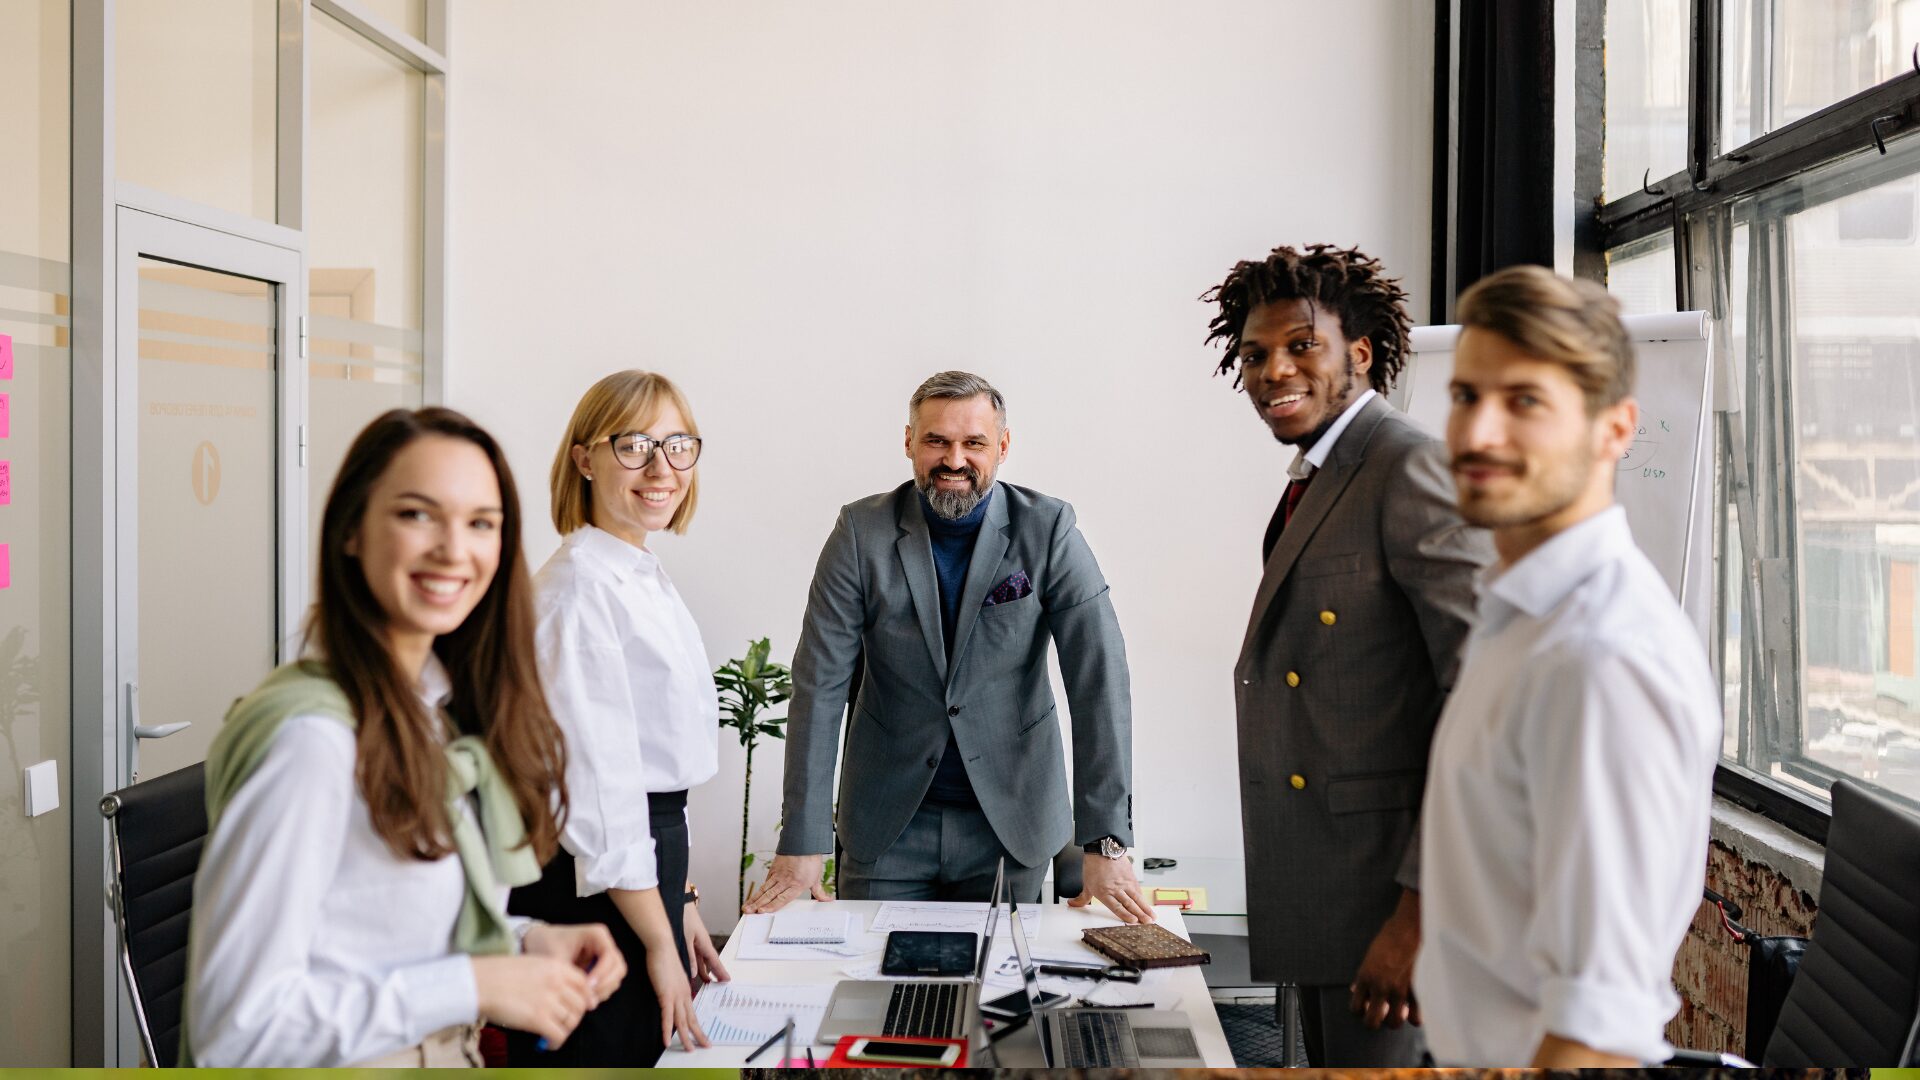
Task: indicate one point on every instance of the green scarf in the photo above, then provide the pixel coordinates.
(493, 851)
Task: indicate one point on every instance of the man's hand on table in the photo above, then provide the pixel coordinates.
(1111, 882)
(789, 878)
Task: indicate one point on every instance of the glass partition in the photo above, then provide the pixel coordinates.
(365, 226)
(36, 719)
(194, 86)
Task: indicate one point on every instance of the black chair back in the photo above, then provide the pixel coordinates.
(1854, 999)
(159, 826)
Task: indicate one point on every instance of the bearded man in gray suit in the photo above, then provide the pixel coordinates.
(1354, 640)
(947, 590)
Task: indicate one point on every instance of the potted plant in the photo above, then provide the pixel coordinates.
(748, 686)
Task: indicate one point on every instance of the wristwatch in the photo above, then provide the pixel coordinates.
(693, 893)
(1107, 846)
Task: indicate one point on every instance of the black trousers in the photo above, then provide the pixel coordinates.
(624, 1032)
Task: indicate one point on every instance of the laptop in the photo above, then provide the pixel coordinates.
(915, 1008)
(1091, 1038)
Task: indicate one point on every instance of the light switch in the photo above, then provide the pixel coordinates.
(43, 788)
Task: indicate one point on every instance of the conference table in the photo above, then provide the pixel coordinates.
(1056, 938)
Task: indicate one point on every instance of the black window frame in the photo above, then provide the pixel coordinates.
(1698, 206)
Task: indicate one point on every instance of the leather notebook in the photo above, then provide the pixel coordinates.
(1148, 945)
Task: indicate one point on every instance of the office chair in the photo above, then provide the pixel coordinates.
(158, 827)
(1856, 996)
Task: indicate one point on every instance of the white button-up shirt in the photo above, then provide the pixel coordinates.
(628, 679)
(1566, 814)
(316, 945)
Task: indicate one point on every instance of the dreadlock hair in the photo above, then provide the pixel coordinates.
(1352, 284)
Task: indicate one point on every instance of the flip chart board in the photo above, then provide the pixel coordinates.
(1665, 479)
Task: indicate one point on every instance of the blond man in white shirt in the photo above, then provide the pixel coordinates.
(1567, 804)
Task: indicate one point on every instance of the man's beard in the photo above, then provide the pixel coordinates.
(952, 505)
(1334, 411)
(1549, 487)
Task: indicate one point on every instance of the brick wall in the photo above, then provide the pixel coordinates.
(1711, 971)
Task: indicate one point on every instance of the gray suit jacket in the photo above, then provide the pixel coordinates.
(1353, 643)
(875, 589)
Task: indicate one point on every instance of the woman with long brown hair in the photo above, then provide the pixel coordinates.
(369, 807)
(632, 687)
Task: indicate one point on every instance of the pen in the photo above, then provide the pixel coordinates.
(774, 1038)
(809, 1057)
(1128, 1005)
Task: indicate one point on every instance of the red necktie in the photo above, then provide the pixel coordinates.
(1294, 491)
(1283, 514)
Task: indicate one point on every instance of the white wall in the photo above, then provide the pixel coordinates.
(800, 211)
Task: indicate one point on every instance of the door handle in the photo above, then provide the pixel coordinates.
(141, 731)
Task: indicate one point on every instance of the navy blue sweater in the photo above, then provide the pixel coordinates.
(952, 553)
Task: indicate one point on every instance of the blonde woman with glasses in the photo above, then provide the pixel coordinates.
(630, 684)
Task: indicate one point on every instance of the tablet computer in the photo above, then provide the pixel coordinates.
(929, 953)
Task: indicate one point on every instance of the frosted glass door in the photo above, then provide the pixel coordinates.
(206, 504)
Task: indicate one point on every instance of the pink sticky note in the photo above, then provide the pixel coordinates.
(6, 356)
(6, 568)
(6, 416)
(6, 483)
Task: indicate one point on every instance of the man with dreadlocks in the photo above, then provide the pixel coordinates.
(1353, 643)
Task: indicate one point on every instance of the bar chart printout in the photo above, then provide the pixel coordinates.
(740, 1014)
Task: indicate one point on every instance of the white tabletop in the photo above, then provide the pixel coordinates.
(1182, 988)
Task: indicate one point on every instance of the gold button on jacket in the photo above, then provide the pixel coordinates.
(1299, 782)
(1293, 678)
(1327, 617)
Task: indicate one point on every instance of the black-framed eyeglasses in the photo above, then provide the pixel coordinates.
(635, 451)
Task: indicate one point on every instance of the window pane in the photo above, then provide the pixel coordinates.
(1855, 405)
(1730, 571)
(1743, 71)
(1785, 59)
(366, 231)
(1640, 276)
(1829, 50)
(1647, 58)
(194, 88)
(36, 600)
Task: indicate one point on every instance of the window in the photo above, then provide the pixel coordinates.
(1646, 99)
(1797, 223)
(1640, 275)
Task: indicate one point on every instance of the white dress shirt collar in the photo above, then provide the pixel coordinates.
(1546, 575)
(604, 549)
(1315, 456)
(435, 686)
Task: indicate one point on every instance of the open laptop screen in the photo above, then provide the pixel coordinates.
(993, 925)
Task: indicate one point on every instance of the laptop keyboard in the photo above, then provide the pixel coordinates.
(1097, 1040)
(923, 1010)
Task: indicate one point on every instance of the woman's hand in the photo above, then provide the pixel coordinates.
(702, 958)
(668, 973)
(589, 947)
(540, 994)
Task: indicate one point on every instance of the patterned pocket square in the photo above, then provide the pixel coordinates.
(1015, 587)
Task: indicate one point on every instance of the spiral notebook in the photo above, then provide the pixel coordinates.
(810, 928)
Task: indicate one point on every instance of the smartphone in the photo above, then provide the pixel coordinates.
(933, 953)
(1016, 1005)
(899, 1052)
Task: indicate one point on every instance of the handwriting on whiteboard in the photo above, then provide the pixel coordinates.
(1645, 447)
